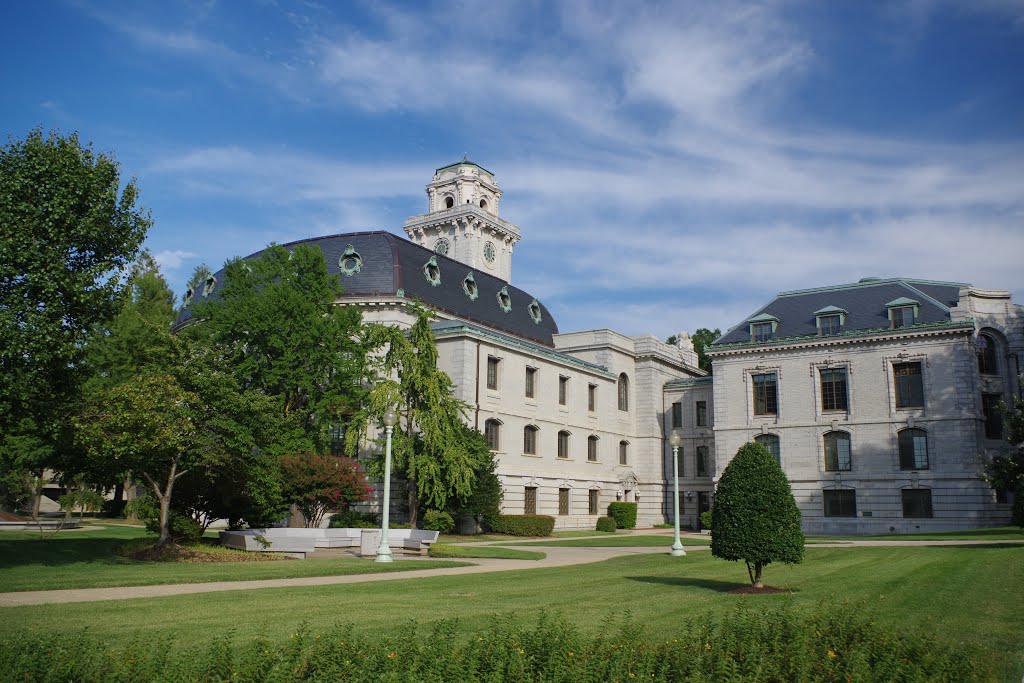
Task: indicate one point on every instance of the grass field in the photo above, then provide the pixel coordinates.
(959, 594)
(490, 552)
(86, 559)
(614, 541)
(1002, 533)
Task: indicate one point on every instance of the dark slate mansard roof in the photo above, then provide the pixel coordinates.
(390, 264)
(864, 303)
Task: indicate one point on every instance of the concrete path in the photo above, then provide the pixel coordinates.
(556, 557)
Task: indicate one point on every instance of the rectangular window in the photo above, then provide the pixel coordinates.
(840, 502)
(913, 445)
(993, 420)
(591, 397)
(765, 394)
(530, 500)
(837, 452)
(563, 390)
(594, 502)
(623, 453)
(492, 431)
(702, 413)
(761, 332)
(917, 503)
(531, 379)
(492, 372)
(677, 415)
(592, 449)
(833, 388)
(563, 444)
(829, 325)
(909, 388)
(563, 501)
(902, 316)
(702, 461)
(530, 440)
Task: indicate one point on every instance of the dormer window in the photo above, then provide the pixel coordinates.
(470, 288)
(350, 262)
(762, 327)
(830, 321)
(449, 202)
(534, 309)
(903, 312)
(211, 282)
(432, 272)
(504, 300)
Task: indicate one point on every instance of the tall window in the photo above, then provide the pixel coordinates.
(702, 413)
(530, 440)
(530, 500)
(993, 420)
(591, 397)
(337, 437)
(563, 390)
(761, 332)
(987, 364)
(492, 372)
(592, 448)
(837, 452)
(563, 501)
(623, 452)
(766, 400)
(492, 430)
(531, 382)
(563, 444)
(829, 325)
(917, 503)
(833, 388)
(840, 502)
(623, 392)
(677, 415)
(771, 442)
(594, 502)
(902, 316)
(913, 449)
(702, 461)
(909, 388)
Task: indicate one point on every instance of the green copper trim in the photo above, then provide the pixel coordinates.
(350, 261)
(850, 335)
(432, 271)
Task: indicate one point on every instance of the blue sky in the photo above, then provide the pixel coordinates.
(671, 166)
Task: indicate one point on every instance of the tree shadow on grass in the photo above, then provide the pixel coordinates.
(55, 552)
(707, 584)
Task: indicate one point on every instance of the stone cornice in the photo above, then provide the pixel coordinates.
(427, 220)
(851, 337)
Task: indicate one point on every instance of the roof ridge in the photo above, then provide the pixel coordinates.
(868, 283)
(927, 296)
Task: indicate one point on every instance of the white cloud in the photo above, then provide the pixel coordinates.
(172, 259)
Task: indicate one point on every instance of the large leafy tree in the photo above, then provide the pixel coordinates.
(702, 339)
(68, 231)
(432, 448)
(316, 482)
(755, 517)
(1006, 471)
(275, 324)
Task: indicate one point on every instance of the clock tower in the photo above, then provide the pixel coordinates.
(462, 220)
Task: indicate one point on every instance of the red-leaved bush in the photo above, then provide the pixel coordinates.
(318, 482)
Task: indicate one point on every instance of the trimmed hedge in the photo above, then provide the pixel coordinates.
(606, 524)
(827, 643)
(438, 520)
(524, 525)
(624, 514)
(705, 520)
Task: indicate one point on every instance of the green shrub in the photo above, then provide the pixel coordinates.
(438, 520)
(826, 643)
(755, 517)
(146, 509)
(524, 525)
(1018, 507)
(705, 519)
(353, 519)
(606, 524)
(113, 508)
(399, 525)
(624, 514)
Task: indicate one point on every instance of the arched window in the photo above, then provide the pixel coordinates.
(913, 449)
(592, 448)
(492, 430)
(623, 392)
(837, 452)
(987, 362)
(530, 440)
(449, 202)
(771, 442)
(702, 461)
(623, 452)
(563, 444)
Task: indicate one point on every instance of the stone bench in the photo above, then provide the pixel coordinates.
(419, 540)
(285, 540)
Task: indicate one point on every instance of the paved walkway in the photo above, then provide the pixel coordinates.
(556, 557)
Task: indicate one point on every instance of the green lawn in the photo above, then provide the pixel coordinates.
(86, 559)
(445, 550)
(615, 541)
(1002, 533)
(960, 594)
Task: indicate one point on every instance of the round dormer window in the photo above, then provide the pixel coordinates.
(350, 262)
(504, 300)
(441, 246)
(534, 309)
(432, 272)
(470, 288)
(211, 282)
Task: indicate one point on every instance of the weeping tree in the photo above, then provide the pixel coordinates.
(431, 448)
(755, 517)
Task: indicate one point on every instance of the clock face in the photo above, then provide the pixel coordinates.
(489, 252)
(441, 246)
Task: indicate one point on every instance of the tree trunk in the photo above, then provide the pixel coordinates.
(414, 504)
(296, 520)
(165, 513)
(757, 575)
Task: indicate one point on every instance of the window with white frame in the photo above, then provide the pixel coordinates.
(837, 452)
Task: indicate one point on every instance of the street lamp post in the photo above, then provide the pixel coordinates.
(384, 550)
(674, 440)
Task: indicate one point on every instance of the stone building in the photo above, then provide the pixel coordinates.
(877, 398)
